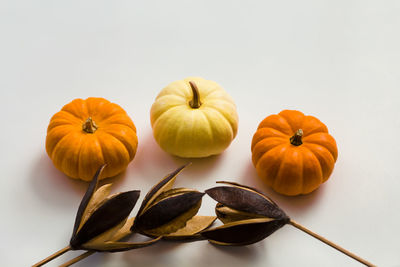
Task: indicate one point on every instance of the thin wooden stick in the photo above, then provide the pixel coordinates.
(326, 241)
(52, 257)
(78, 258)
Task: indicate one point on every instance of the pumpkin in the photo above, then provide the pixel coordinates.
(194, 118)
(293, 153)
(86, 134)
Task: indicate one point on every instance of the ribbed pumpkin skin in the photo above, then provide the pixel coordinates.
(79, 154)
(186, 132)
(289, 169)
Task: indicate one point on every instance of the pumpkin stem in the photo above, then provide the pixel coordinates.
(195, 102)
(89, 126)
(296, 138)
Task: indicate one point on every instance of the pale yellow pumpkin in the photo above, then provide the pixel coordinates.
(194, 117)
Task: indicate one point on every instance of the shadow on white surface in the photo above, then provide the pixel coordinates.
(246, 253)
(150, 160)
(150, 156)
(251, 255)
(51, 185)
(200, 167)
(200, 253)
(154, 255)
(55, 188)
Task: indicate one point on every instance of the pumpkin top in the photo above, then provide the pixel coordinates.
(197, 95)
(87, 114)
(294, 128)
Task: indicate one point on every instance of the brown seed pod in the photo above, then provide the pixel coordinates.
(248, 215)
(102, 219)
(111, 213)
(165, 210)
(247, 200)
(164, 185)
(243, 232)
(169, 214)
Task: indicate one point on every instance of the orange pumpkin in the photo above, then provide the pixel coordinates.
(88, 133)
(293, 153)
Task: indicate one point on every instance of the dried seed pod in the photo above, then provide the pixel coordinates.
(98, 197)
(164, 185)
(169, 212)
(243, 232)
(248, 215)
(86, 198)
(104, 237)
(243, 201)
(105, 243)
(108, 215)
(102, 220)
(165, 210)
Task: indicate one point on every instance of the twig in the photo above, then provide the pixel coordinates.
(78, 258)
(326, 241)
(52, 257)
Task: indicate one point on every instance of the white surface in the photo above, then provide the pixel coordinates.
(337, 60)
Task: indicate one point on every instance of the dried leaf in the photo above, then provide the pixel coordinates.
(169, 208)
(192, 229)
(246, 200)
(243, 232)
(171, 192)
(226, 214)
(86, 198)
(108, 215)
(165, 184)
(124, 231)
(113, 246)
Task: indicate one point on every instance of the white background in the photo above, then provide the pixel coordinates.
(336, 60)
